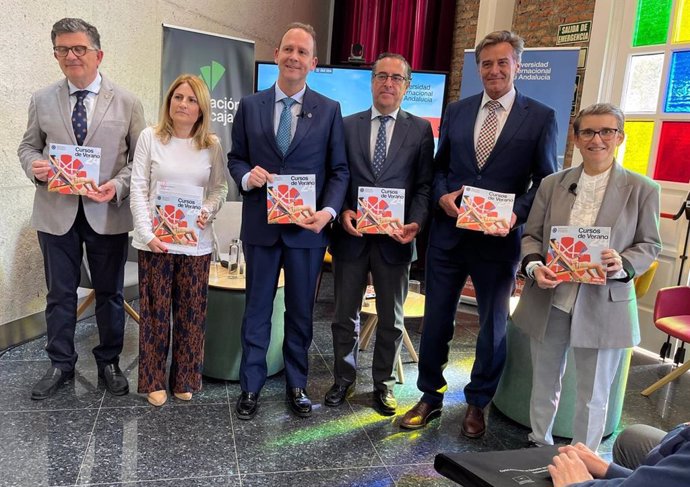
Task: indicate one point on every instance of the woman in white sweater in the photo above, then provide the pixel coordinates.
(178, 184)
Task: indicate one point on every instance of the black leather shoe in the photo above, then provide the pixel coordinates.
(50, 382)
(385, 401)
(247, 404)
(299, 402)
(115, 381)
(337, 394)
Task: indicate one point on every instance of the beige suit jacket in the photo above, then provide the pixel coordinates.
(117, 120)
(602, 316)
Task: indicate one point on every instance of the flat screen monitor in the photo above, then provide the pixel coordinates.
(351, 86)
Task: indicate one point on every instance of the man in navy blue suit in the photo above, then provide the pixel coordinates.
(286, 129)
(498, 140)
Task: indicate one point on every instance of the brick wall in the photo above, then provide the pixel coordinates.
(535, 20)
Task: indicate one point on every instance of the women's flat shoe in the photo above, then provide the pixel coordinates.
(157, 398)
(183, 396)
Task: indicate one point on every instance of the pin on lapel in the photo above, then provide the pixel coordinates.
(309, 115)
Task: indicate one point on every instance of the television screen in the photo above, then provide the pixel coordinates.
(351, 86)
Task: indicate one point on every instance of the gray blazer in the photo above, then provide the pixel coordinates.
(115, 126)
(602, 316)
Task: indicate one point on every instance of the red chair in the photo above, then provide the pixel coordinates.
(672, 316)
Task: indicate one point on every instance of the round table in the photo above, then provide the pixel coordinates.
(223, 348)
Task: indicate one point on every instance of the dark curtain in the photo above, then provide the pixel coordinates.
(420, 30)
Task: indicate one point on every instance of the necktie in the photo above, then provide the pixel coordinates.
(380, 146)
(79, 117)
(284, 133)
(487, 134)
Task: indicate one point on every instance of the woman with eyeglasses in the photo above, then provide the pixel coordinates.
(178, 184)
(597, 321)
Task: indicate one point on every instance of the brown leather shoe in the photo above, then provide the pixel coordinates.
(473, 426)
(419, 415)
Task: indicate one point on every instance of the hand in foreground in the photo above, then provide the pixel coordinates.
(157, 247)
(567, 468)
(105, 193)
(596, 465)
(258, 176)
(612, 261)
(410, 231)
(348, 219)
(202, 218)
(447, 202)
(40, 169)
(545, 277)
(316, 222)
(502, 232)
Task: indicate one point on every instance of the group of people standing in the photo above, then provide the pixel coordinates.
(500, 140)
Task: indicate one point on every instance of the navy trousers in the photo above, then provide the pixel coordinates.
(62, 256)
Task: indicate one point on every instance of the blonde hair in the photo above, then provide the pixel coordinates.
(203, 137)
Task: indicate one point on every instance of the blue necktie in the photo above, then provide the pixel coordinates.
(380, 146)
(79, 117)
(284, 133)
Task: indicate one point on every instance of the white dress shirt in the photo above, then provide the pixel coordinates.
(90, 101)
(502, 113)
(375, 124)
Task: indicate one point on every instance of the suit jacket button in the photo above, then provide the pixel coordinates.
(479, 177)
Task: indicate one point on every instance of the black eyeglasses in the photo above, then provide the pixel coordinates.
(605, 134)
(395, 78)
(79, 51)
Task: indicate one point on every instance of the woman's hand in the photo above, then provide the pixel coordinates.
(202, 218)
(157, 247)
(612, 261)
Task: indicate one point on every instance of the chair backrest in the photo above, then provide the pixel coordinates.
(672, 301)
(644, 280)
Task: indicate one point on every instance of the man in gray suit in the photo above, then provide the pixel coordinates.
(386, 148)
(83, 109)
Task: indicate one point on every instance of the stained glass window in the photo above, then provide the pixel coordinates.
(634, 153)
(681, 29)
(678, 91)
(651, 22)
(672, 162)
(644, 80)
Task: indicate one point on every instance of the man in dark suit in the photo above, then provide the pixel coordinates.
(386, 148)
(502, 141)
(286, 129)
(85, 109)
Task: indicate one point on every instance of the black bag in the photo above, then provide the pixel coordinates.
(508, 468)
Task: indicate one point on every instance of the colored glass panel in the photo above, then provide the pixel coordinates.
(644, 81)
(651, 22)
(672, 157)
(681, 28)
(634, 153)
(678, 91)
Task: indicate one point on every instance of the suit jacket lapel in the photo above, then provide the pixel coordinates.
(364, 136)
(304, 122)
(466, 129)
(105, 96)
(402, 125)
(564, 199)
(62, 95)
(266, 113)
(516, 118)
(617, 193)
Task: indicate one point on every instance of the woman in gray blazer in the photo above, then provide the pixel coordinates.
(597, 321)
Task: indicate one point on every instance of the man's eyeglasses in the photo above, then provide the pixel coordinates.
(395, 78)
(79, 51)
(604, 134)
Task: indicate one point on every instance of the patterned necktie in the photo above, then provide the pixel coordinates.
(79, 117)
(284, 133)
(487, 134)
(380, 146)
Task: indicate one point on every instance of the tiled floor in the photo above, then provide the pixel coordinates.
(84, 436)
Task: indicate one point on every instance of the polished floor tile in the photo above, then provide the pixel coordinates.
(85, 436)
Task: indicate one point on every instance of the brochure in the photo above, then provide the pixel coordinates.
(177, 208)
(291, 198)
(380, 210)
(574, 253)
(483, 210)
(74, 169)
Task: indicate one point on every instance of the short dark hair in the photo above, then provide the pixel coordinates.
(601, 109)
(306, 28)
(72, 25)
(399, 57)
(497, 37)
